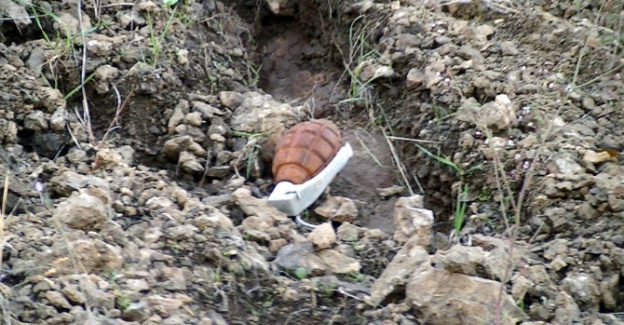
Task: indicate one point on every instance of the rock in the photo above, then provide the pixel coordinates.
(496, 260)
(215, 219)
(338, 263)
(252, 259)
(194, 132)
(136, 312)
(217, 201)
(127, 18)
(290, 295)
(593, 157)
(365, 5)
(36, 121)
(509, 48)
(460, 259)
(17, 13)
(567, 165)
(218, 126)
(558, 263)
(76, 156)
(92, 288)
(300, 255)
(257, 236)
(434, 296)
(164, 306)
(410, 259)
(52, 98)
(57, 120)
(94, 255)
(261, 223)
(137, 285)
(207, 111)
(339, 209)
(411, 219)
(323, 236)
(106, 72)
(390, 191)
(588, 103)
(415, 78)
(482, 82)
(100, 47)
(57, 299)
(218, 171)
(47, 144)
(520, 286)
(231, 99)
(348, 232)
(498, 115)
(68, 25)
(218, 138)
(224, 158)
(276, 244)
(173, 147)
(256, 207)
(482, 32)
(67, 181)
(468, 52)
(174, 279)
(193, 118)
(260, 113)
(609, 290)
(371, 70)
(190, 164)
(584, 289)
(162, 206)
(567, 311)
(281, 7)
(83, 211)
(8, 131)
(177, 116)
(615, 203)
(182, 232)
(214, 319)
(108, 159)
(71, 293)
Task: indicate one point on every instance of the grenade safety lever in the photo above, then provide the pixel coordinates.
(292, 199)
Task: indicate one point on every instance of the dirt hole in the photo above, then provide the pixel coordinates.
(301, 60)
(296, 59)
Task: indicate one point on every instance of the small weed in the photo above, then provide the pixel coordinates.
(250, 151)
(229, 253)
(521, 304)
(485, 194)
(123, 301)
(360, 54)
(301, 273)
(253, 74)
(357, 276)
(460, 209)
(330, 288)
(157, 41)
(461, 203)
(269, 301)
(62, 43)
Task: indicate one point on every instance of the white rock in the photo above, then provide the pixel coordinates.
(323, 236)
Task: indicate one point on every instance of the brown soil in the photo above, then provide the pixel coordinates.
(305, 58)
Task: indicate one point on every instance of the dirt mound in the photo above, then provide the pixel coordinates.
(485, 186)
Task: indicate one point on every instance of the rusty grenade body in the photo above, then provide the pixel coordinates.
(304, 150)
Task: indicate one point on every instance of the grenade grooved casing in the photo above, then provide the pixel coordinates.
(304, 150)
